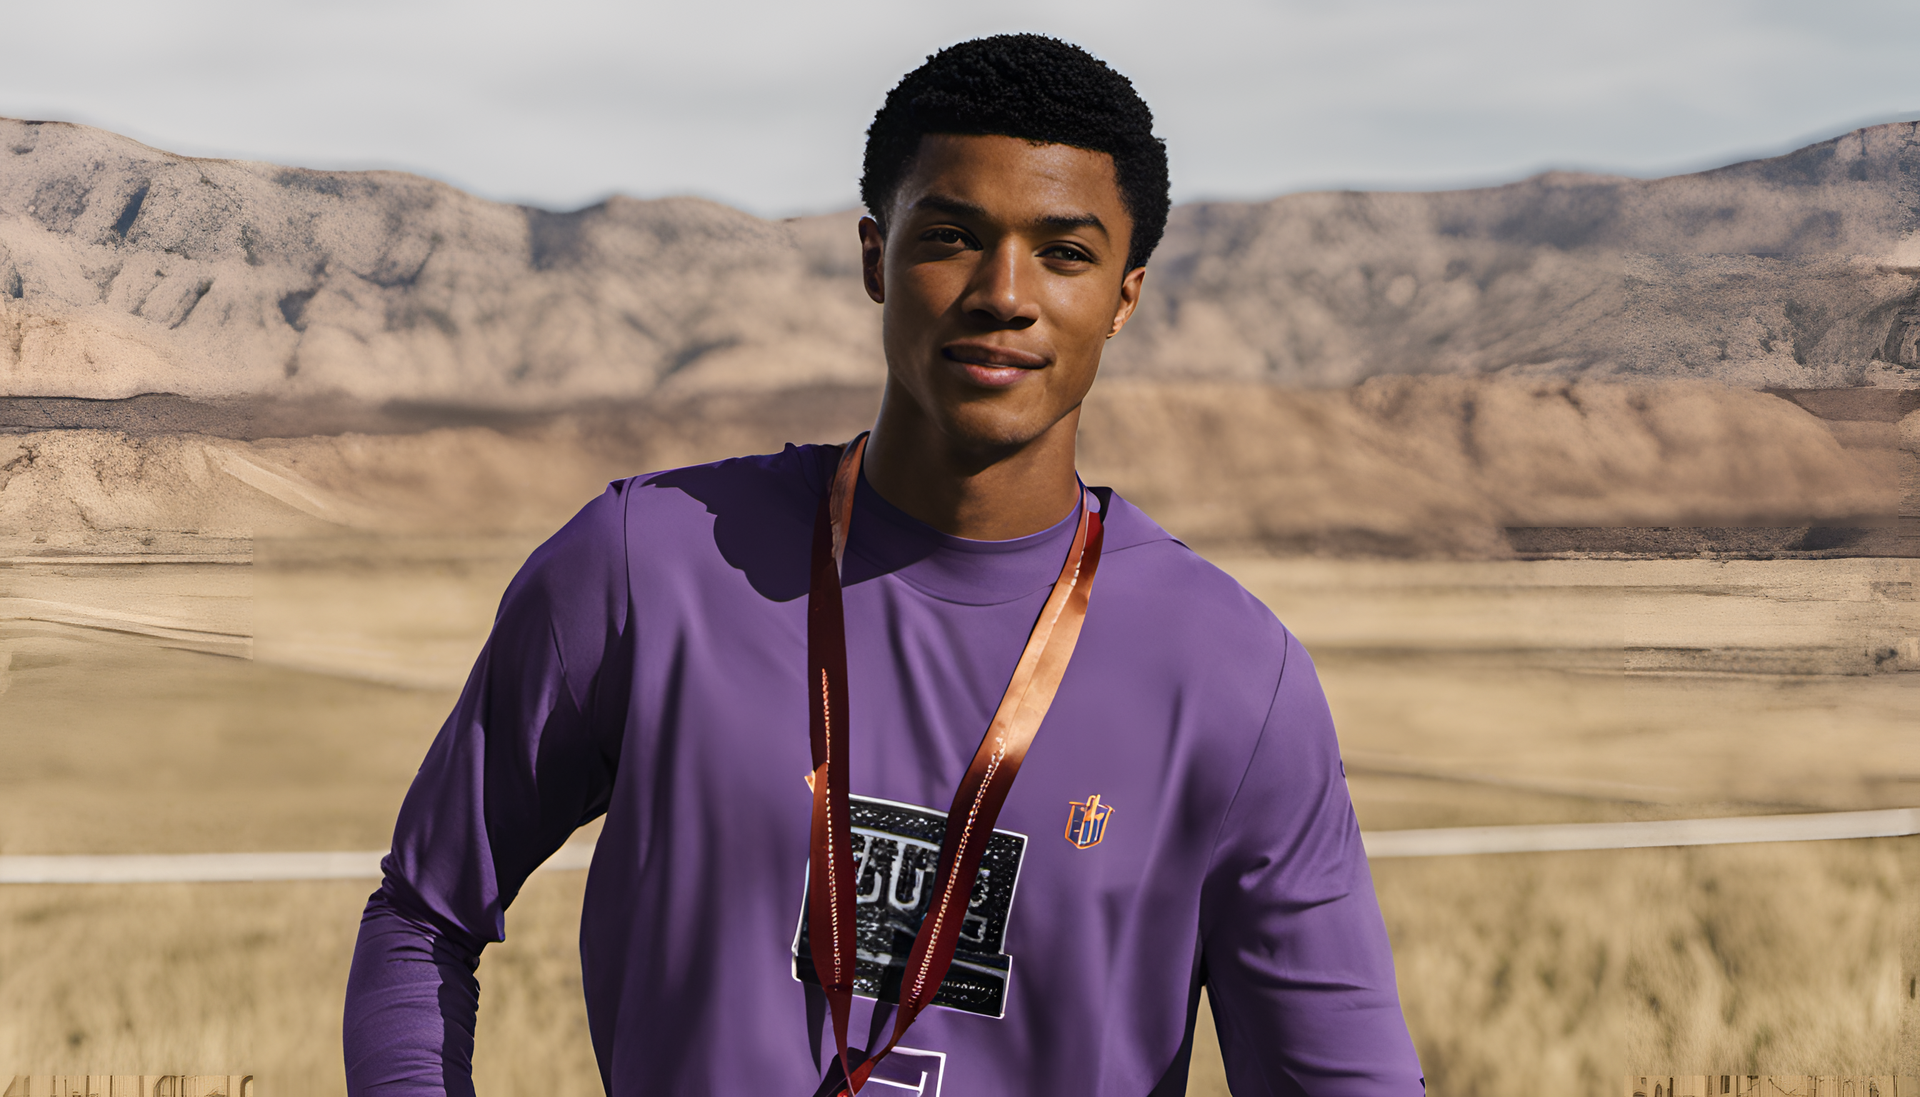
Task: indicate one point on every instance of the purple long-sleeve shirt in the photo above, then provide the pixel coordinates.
(649, 662)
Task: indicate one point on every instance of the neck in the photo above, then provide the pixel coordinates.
(980, 492)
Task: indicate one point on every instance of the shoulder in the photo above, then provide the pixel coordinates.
(648, 516)
(1204, 608)
(745, 518)
(578, 589)
(785, 484)
(1190, 638)
(694, 505)
(576, 581)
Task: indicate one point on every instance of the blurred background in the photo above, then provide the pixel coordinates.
(1553, 371)
(764, 106)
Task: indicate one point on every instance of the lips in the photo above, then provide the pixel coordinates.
(990, 365)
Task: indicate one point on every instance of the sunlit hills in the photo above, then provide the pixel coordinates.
(1332, 372)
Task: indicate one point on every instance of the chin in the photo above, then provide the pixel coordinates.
(976, 428)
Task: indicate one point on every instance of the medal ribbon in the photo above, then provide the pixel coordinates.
(976, 803)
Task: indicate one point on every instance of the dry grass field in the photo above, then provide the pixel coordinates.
(223, 626)
(1500, 692)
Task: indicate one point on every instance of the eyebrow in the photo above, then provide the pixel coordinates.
(1059, 222)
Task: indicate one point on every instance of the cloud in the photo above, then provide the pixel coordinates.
(764, 104)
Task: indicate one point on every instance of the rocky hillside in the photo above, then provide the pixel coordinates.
(196, 353)
(1801, 271)
(1443, 466)
(127, 270)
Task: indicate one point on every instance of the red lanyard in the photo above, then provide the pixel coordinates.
(976, 803)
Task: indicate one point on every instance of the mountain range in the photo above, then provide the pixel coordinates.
(197, 352)
(127, 270)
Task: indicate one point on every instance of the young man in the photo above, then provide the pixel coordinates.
(890, 622)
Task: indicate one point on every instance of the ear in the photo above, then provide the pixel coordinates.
(1129, 299)
(873, 258)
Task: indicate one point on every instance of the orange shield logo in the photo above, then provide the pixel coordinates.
(1087, 822)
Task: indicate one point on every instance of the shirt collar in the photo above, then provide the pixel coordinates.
(887, 541)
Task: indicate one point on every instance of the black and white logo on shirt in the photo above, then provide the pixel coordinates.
(896, 851)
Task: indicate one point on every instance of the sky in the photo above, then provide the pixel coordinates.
(763, 104)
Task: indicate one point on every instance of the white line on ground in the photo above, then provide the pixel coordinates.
(146, 868)
(159, 868)
(1540, 838)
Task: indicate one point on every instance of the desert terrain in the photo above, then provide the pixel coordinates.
(1467, 693)
(1593, 499)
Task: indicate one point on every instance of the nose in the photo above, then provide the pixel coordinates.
(1000, 292)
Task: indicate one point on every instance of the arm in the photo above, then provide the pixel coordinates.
(1295, 951)
(527, 756)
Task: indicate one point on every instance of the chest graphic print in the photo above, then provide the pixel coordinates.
(896, 852)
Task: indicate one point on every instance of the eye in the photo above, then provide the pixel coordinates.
(949, 236)
(1066, 252)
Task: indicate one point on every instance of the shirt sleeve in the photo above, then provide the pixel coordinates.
(527, 756)
(1294, 950)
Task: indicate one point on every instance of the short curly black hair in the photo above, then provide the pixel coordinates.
(1032, 87)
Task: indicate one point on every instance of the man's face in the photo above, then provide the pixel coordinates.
(1002, 275)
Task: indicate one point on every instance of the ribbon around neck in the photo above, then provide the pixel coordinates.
(976, 803)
